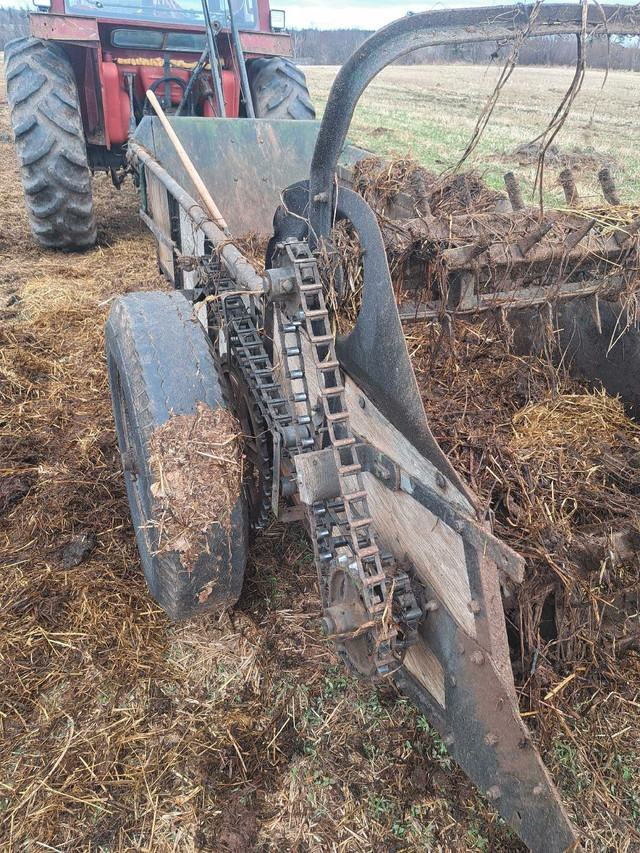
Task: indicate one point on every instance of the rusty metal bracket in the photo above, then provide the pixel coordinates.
(472, 532)
(477, 715)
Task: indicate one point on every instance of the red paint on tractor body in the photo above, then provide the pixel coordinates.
(99, 65)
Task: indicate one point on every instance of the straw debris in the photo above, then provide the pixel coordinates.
(434, 226)
(196, 464)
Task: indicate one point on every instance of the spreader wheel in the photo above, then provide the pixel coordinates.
(191, 530)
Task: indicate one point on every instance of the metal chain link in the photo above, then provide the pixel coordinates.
(342, 530)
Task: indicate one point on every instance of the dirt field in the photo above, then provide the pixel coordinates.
(123, 732)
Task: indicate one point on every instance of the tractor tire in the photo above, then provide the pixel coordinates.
(279, 89)
(160, 363)
(50, 144)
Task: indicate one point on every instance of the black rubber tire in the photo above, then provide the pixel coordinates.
(159, 362)
(50, 144)
(279, 89)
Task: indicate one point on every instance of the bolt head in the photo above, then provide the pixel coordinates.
(491, 739)
(474, 606)
(494, 793)
(440, 480)
(361, 402)
(477, 658)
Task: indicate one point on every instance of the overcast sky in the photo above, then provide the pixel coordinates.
(365, 14)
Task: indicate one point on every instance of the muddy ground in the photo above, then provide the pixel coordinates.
(123, 732)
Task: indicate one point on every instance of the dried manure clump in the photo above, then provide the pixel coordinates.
(196, 462)
(556, 465)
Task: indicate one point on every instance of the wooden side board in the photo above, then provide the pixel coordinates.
(372, 426)
(436, 551)
(425, 667)
(159, 211)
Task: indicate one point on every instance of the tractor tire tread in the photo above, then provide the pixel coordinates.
(279, 89)
(50, 144)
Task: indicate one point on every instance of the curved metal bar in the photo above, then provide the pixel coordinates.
(375, 352)
(428, 29)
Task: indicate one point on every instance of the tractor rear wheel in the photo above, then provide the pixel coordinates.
(160, 365)
(279, 89)
(50, 144)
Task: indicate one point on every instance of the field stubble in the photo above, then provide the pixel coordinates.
(122, 732)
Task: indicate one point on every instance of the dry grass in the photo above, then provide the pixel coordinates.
(122, 732)
(557, 466)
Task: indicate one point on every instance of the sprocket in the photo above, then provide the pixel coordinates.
(258, 451)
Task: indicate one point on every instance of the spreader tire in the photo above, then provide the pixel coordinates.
(50, 144)
(160, 363)
(279, 89)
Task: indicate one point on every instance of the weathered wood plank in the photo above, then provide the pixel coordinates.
(372, 426)
(425, 667)
(435, 550)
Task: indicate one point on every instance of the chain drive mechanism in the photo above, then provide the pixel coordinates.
(371, 611)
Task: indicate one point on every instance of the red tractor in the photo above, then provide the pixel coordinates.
(77, 89)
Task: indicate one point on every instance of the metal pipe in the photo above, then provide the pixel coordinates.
(214, 58)
(234, 261)
(196, 73)
(242, 68)
(129, 78)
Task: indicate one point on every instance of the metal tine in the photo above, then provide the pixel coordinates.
(572, 239)
(608, 186)
(513, 191)
(526, 243)
(571, 193)
(461, 184)
(624, 235)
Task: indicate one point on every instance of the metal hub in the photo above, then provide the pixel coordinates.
(346, 620)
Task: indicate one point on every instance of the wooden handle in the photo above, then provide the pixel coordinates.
(186, 162)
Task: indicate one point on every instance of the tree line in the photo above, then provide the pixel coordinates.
(333, 47)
